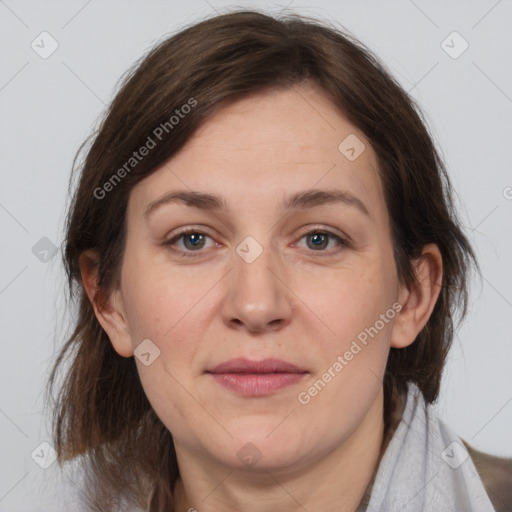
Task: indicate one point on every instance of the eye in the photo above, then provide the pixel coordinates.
(193, 241)
(318, 240)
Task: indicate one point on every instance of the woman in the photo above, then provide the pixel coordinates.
(268, 264)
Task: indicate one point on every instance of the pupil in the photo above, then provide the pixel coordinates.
(320, 238)
(195, 239)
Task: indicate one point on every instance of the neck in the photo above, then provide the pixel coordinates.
(333, 482)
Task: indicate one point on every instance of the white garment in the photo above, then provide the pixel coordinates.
(426, 467)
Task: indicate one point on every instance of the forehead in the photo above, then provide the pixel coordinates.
(268, 146)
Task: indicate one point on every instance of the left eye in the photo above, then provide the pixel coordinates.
(194, 241)
(320, 240)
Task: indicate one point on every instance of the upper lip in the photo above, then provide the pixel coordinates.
(242, 365)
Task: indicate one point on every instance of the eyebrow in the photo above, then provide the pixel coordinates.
(299, 200)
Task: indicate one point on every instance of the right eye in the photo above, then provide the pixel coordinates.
(193, 241)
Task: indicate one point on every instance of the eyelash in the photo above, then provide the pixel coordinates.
(187, 231)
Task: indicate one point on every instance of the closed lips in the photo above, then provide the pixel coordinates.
(246, 366)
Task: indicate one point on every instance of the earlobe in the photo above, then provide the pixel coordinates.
(109, 309)
(419, 301)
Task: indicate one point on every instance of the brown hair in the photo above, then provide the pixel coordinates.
(101, 412)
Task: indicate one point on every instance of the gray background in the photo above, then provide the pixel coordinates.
(48, 106)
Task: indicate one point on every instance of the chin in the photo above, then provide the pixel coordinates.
(266, 448)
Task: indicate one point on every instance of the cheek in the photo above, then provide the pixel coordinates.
(160, 301)
(353, 359)
(170, 401)
(356, 319)
(347, 300)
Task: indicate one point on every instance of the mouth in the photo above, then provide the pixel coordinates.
(256, 378)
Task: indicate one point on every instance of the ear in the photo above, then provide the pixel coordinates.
(109, 310)
(418, 302)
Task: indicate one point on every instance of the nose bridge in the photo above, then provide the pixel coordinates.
(257, 296)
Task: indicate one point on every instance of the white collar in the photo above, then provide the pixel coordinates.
(426, 467)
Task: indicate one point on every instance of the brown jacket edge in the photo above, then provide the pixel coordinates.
(496, 475)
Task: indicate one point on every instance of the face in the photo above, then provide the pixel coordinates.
(271, 269)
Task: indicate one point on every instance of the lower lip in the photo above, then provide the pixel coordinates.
(251, 384)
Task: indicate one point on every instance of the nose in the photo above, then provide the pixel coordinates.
(258, 298)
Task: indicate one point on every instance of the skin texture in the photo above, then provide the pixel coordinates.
(294, 302)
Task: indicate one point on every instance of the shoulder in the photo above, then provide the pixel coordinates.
(496, 475)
